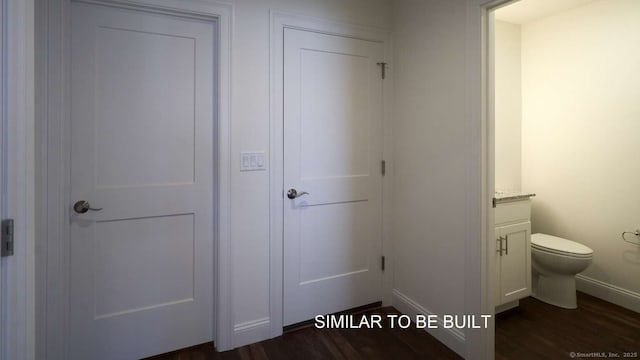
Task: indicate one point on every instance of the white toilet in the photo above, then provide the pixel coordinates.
(555, 262)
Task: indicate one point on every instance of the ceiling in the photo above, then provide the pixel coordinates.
(525, 11)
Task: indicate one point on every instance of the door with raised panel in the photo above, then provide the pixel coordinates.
(142, 130)
(333, 152)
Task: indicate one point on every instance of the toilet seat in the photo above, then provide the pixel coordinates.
(559, 246)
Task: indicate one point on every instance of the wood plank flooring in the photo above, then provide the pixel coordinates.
(310, 343)
(534, 330)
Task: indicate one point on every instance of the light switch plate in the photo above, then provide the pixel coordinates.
(253, 161)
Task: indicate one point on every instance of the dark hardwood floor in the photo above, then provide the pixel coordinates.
(534, 330)
(309, 343)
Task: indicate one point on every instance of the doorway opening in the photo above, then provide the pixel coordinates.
(558, 84)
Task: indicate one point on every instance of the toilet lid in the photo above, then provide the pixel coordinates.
(557, 244)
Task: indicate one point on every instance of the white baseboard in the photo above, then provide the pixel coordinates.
(611, 293)
(251, 332)
(454, 339)
(507, 306)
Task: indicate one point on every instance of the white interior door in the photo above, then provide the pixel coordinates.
(333, 151)
(142, 130)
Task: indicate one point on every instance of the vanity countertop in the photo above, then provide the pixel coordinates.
(508, 196)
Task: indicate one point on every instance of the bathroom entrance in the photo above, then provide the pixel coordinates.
(562, 119)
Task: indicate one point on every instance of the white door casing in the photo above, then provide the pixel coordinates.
(332, 150)
(18, 199)
(3, 149)
(142, 149)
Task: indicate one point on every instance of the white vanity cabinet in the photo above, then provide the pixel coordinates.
(513, 251)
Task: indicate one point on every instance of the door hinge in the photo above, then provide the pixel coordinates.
(382, 262)
(383, 66)
(493, 201)
(383, 167)
(7, 237)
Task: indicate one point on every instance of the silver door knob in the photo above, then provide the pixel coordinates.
(82, 206)
(293, 193)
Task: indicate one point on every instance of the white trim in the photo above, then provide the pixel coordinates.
(479, 217)
(608, 292)
(507, 306)
(251, 332)
(479, 266)
(387, 180)
(3, 152)
(53, 105)
(249, 325)
(52, 260)
(476, 265)
(18, 319)
(454, 339)
(279, 21)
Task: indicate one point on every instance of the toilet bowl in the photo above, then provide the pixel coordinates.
(555, 263)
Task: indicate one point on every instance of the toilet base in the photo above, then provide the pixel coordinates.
(557, 290)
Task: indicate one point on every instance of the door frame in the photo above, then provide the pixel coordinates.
(481, 109)
(52, 30)
(278, 22)
(17, 284)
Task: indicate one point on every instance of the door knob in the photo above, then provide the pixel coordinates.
(293, 193)
(82, 206)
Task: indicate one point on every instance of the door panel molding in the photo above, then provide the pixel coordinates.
(53, 164)
(279, 22)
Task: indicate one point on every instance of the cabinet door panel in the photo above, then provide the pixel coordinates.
(515, 262)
